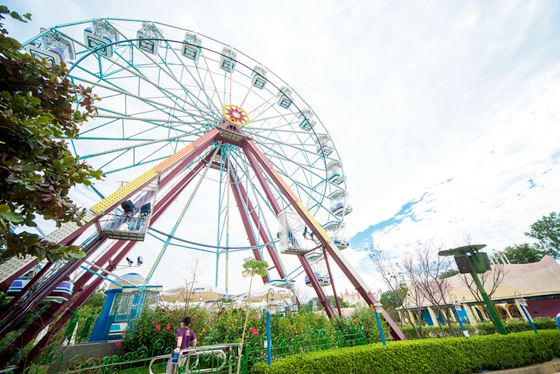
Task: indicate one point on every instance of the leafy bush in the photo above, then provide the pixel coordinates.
(486, 328)
(446, 355)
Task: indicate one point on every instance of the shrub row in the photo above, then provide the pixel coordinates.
(445, 355)
(478, 329)
(155, 329)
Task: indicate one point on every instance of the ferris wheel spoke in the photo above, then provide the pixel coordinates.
(139, 145)
(170, 73)
(216, 91)
(155, 124)
(168, 93)
(138, 74)
(283, 157)
(200, 86)
(155, 104)
(312, 152)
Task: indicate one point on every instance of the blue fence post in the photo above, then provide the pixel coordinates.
(522, 302)
(379, 327)
(459, 319)
(268, 340)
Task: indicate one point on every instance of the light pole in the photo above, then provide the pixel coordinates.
(379, 307)
(522, 302)
(470, 260)
(457, 307)
(268, 337)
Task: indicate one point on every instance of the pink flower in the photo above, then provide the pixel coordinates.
(154, 321)
(254, 331)
(118, 344)
(158, 327)
(255, 317)
(168, 327)
(367, 330)
(291, 312)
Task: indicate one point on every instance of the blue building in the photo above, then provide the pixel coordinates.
(123, 304)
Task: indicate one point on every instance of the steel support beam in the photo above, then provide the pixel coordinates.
(247, 203)
(302, 259)
(245, 219)
(251, 148)
(160, 207)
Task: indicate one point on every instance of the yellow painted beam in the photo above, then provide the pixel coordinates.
(124, 191)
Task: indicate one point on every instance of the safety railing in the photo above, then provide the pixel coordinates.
(207, 359)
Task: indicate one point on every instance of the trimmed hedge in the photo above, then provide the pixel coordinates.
(444, 355)
(486, 328)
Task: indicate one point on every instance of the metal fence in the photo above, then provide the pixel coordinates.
(219, 359)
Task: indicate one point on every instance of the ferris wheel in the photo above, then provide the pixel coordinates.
(193, 130)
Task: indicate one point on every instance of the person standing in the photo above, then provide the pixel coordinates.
(184, 338)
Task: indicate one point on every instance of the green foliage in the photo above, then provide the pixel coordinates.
(547, 231)
(252, 267)
(447, 355)
(523, 253)
(394, 299)
(37, 169)
(486, 328)
(308, 307)
(155, 329)
(449, 273)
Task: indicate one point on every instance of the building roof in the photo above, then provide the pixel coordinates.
(519, 280)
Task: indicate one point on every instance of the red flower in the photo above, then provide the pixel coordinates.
(168, 327)
(367, 330)
(254, 331)
(118, 343)
(154, 321)
(255, 317)
(291, 312)
(158, 327)
(355, 320)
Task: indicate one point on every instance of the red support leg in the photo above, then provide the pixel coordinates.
(304, 263)
(35, 328)
(245, 219)
(244, 197)
(251, 148)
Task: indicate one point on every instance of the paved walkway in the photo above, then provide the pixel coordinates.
(550, 367)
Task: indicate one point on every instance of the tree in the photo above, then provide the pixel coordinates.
(37, 169)
(449, 273)
(547, 231)
(308, 307)
(251, 267)
(393, 275)
(523, 253)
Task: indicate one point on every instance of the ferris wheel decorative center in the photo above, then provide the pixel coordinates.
(235, 114)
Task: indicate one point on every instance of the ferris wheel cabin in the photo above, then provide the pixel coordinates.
(146, 36)
(334, 172)
(285, 97)
(62, 293)
(324, 146)
(53, 47)
(258, 77)
(307, 121)
(227, 60)
(192, 46)
(101, 35)
(317, 263)
(130, 221)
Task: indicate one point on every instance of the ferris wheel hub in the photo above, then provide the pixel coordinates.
(235, 115)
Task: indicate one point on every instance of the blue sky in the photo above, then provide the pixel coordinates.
(445, 113)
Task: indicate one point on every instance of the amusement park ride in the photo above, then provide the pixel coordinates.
(178, 107)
